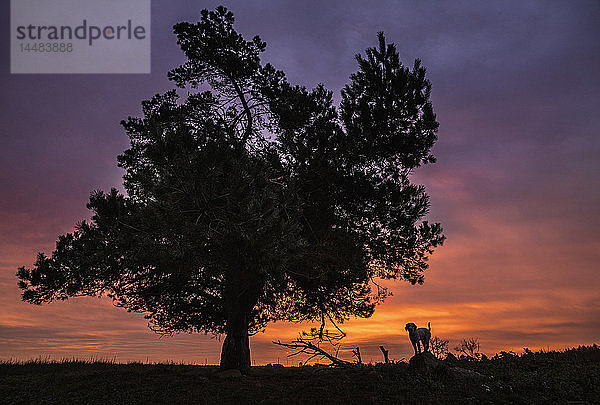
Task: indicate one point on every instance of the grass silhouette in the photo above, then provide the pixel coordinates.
(572, 375)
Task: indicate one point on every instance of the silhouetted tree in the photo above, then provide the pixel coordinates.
(439, 347)
(469, 348)
(256, 201)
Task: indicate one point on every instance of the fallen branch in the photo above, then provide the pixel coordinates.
(313, 351)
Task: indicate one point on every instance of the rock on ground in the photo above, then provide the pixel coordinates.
(423, 361)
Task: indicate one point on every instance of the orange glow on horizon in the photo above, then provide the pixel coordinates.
(524, 317)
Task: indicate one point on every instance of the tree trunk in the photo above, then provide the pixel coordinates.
(243, 286)
(385, 354)
(235, 353)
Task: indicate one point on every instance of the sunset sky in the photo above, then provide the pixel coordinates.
(516, 88)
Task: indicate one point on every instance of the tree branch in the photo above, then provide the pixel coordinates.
(305, 347)
(242, 97)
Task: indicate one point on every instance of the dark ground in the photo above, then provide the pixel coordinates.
(569, 377)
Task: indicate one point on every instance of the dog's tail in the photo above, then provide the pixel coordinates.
(429, 326)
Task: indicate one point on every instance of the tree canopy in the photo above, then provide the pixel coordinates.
(253, 199)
